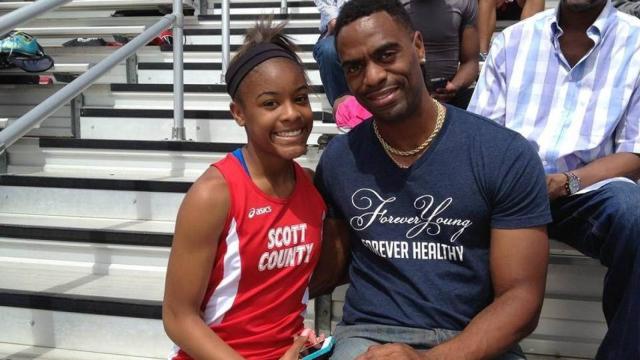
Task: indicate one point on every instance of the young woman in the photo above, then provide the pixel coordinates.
(247, 236)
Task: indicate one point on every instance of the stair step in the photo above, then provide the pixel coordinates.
(124, 159)
(92, 198)
(122, 335)
(218, 48)
(201, 66)
(162, 113)
(55, 180)
(213, 126)
(254, 17)
(92, 235)
(138, 145)
(188, 88)
(290, 30)
(270, 4)
(27, 352)
(107, 4)
(81, 288)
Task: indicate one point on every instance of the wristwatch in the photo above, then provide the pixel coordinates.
(572, 185)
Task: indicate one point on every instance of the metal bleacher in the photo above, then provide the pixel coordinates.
(89, 198)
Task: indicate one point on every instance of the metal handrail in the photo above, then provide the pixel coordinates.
(178, 132)
(9, 21)
(226, 35)
(35, 116)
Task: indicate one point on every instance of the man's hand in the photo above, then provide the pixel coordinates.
(391, 352)
(556, 186)
(331, 26)
(446, 93)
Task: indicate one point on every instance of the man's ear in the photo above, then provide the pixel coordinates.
(237, 113)
(418, 44)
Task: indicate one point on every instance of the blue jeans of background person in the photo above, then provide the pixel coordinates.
(605, 224)
(335, 85)
(353, 340)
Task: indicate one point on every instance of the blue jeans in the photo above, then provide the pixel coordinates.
(353, 340)
(331, 74)
(605, 224)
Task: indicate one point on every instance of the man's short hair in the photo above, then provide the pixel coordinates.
(356, 9)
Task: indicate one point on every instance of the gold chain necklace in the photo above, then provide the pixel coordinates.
(440, 115)
(401, 166)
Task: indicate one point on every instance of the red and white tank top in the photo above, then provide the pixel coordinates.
(257, 292)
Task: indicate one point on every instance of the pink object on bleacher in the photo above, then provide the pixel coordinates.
(350, 113)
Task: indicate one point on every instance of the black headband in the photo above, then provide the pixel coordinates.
(248, 61)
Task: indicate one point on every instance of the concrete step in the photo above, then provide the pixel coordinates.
(60, 194)
(32, 320)
(27, 352)
(153, 160)
(216, 126)
(86, 230)
(201, 73)
(196, 97)
(307, 35)
(101, 4)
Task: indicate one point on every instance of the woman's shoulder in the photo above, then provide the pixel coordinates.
(209, 190)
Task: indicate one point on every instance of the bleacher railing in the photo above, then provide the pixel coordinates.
(226, 33)
(226, 37)
(33, 118)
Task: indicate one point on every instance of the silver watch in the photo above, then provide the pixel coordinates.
(573, 183)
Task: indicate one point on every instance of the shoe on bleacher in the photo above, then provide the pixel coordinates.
(350, 113)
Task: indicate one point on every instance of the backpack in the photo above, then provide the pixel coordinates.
(19, 49)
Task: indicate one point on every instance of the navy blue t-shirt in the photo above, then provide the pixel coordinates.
(421, 236)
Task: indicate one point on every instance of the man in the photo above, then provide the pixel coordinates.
(451, 34)
(324, 52)
(631, 7)
(569, 81)
(491, 10)
(444, 211)
(449, 31)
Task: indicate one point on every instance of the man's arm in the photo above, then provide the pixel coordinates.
(486, 23)
(468, 70)
(331, 270)
(490, 95)
(614, 165)
(625, 161)
(519, 260)
(531, 7)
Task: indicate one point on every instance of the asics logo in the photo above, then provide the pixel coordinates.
(259, 211)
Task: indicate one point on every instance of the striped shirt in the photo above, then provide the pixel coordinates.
(329, 10)
(572, 116)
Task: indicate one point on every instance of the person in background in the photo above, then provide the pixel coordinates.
(491, 10)
(346, 110)
(631, 7)
(568, 80)
(450, 34)
(248, 233)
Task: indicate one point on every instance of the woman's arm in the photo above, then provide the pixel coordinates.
(200, 221)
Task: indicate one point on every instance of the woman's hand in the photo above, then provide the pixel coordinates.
(294, 351)
(306, 339)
